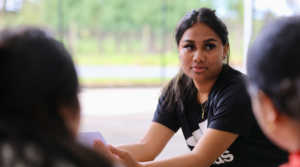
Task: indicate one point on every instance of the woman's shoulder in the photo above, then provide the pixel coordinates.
(228, 74)
(230, 82)
(230, 77)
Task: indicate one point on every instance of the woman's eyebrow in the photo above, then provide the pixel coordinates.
(187, 40)
(210, 39)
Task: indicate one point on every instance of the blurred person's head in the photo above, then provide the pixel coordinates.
(203, 47)
(39, 81)
(39, 108)
(274, 81)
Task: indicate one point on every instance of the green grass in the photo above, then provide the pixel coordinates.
(122, 82)
(87, 52)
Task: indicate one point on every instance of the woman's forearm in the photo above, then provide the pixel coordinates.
(210, 146)
(151, 144)
(140, 151)
(186, 160)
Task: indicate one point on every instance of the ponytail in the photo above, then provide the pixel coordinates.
(179, 92)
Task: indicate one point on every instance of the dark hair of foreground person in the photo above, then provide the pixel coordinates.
(274, 84)
(39, 108)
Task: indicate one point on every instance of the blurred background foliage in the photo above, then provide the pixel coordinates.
(125, 32)
(98, 28)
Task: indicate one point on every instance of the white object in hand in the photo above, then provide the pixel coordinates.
(87, 138)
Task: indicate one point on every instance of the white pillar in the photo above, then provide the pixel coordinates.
(247, 29)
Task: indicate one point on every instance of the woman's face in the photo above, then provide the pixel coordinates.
(277, 127)
(201, 52)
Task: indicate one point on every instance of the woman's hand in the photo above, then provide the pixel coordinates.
(103, 150)
(116, 154)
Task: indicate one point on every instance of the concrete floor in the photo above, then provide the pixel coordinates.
(122, 115)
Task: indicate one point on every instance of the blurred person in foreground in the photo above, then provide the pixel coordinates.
(208, 100)
(274, 84)
(39, 108)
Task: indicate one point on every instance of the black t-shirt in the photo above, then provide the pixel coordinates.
(228, 109)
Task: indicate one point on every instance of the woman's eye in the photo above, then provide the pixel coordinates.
(190, 47)
(209, 46)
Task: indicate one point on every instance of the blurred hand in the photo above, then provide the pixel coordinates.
(116, 154)
(103, 150)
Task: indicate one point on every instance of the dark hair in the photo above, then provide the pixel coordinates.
(181, 89)
(273, 65)
(37, 76)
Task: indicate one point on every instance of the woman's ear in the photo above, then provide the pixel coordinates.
(269, 112)
(178, 52)
(225, 50)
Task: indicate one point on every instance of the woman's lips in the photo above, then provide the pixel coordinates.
(199, 69)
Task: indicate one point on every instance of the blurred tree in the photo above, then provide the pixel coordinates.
(126, 21)
(118, 15)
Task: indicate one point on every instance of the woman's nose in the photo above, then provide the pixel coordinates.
(198, 57)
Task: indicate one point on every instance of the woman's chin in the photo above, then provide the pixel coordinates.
(199, 77)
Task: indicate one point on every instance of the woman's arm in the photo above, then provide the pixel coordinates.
(151, 144)
(211, 145)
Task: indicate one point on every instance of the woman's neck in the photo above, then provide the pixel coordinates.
(204, 88)
(293, 134)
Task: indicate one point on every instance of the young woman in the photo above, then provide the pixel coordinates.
(274, 84)
(208, 101)
(39, 108)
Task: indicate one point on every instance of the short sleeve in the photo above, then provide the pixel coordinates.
(166, 118)
(233, 112)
